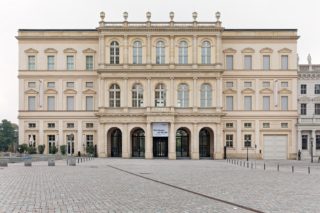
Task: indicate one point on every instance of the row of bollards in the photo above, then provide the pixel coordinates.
(72, 161)
(250, 164)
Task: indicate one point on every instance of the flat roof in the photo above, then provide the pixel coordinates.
(54, 30)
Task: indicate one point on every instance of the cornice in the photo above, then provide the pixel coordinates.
(260, 37)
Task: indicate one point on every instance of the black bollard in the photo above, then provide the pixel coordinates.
(278, 167)
(292, 169)
(309, 170)
(264, 166)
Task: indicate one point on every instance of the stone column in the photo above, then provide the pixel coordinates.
(124, 94)
(102, 141)
(41, 140)
(148, 142)
(149, 49)
(60, 95)
(195, 94)
(172, 52)
(173, 92)
(80, 138)
(195, 52)
(101, 51)
(125, 142)
(172, 142)
(218, 49)
(149, 90)
(21, 95)
(219, 94)
(125, 51)
(195, 143)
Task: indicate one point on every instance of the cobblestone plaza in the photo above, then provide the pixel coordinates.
(137, 185)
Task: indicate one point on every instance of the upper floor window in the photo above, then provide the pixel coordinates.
(248, 62)
(183, 95)
(284, 62)
(51, 125)
(229, 140)
(247, 103)
(51, 84)
(266, 62)
(266, 103)
(284, 84)
(32, 84)
(89, 125)
(266, 125)
(160, 95)
(303, 109)
(304, 142)
(70, 84)
(31, 62)
(303, 89)
(317, 109)
(247, 125)
(137, 52)
(89, 103)
(160, 52)
(51, 103)
(206, 52)
(32, 125)
(206, 95)
(70, 62)
(70, 103)
(229, 84)
(183, 52)
(114, 53)
(229, 103)
(137, 95)
(247, 84)
(229, 125)
(114, 95)
(284, 103)
(317, 89)
(50, 61)
(266, 84)
(70, 125)
(229, 62)
(89, 84)
(89, 62)
(31, 103)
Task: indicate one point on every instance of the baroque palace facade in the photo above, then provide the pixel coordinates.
(160, 89)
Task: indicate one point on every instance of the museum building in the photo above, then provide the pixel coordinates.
(160, 89)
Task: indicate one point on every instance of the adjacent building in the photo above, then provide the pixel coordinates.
(160, 89)
(308, 126)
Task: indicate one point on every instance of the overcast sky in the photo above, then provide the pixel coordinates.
(37, 14)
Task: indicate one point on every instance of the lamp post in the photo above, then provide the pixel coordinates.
(247, 143)
(311, 146)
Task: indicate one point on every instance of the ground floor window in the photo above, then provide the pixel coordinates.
(52, 144)
(32, 140)
(317, 141)
(229, 140)
(70, 144)
(247, 140)
(304, 142)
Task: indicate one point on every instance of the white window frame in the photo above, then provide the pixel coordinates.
(266, 66)
(246, 105)
(70, 65)
(183, 95)
(229, 103)
(114, 96)
(206, 95)
(206, 52)
(266, 103)
(70, 105)
(89, 103)
(160, 52)
(137, 95)
(183, 52)
(114, 53)
(229, 62)
(137, 52)
(51, 102)
(284, 62)
(160, 95)
(89, 64)
(247, 62)
(284, 105)
(32, 63)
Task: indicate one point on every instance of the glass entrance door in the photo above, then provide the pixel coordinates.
(204, 143)
(182, 143)
(138, 140)
(160, 147)
(70, 144)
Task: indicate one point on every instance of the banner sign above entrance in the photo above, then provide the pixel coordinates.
(160, 130)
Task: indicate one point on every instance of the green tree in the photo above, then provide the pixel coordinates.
(8, 135)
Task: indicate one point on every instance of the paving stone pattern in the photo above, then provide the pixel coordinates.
(94, 186)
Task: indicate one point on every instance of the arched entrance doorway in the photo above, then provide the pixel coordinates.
(182, 143)
(116, 143)
(205, 143)
(138, 141)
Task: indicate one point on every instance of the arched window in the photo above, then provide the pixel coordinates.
(183, 52)
(114, 95)
(206, 95)
(114, 53)
(137, 52)
(160, 95)
(206, 52)
(137, 95)
(183, 95)
(160, 53)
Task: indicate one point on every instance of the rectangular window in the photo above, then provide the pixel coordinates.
(266, 62)
(70, 84)
(317, 109)
(51, 125)
(31, 103)
(89, 140)
(32, 125)
(247, 84)
(317, 142)
(284, 62)
(266, 103)
(31, 62)
(32, 84)
(317, 89)
(303, 109)
(51, 103)
(50, 61)
(229, 102)
(247, 125)
(266, 84)
(89, 62)
(248, 62)
(284, 103)
(89, 84)
(284, 84)
(229, 125)
(304, 142)
(266, 125)
(70, 62)
(229, 140)
(303, 89)
(70, 125)
(70, 103)
(229, 84)
(247, 140)
(89, 125)
(89, 103)
(229, 62)
(51, 84)
(284, 125)
(247, 103)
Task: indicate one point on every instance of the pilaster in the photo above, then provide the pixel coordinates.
(148, 142)
(172, 142)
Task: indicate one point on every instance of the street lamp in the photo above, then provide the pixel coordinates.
(311, 146)
(247, 144)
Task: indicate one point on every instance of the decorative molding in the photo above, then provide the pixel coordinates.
(31, 91)
(266, 91)
(248, 91)
(89, 50)
(229, 50)
(50, 50)
(305, 98)
(316, 99)
(266, 50)
(69, 50)
(51, 91)
(284, 91)
(248, 50)
(31, 50)
(229, 91)
(285, 50)
(70, 91)
(89, 91)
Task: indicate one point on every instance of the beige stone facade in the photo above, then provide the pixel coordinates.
(160, 89)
